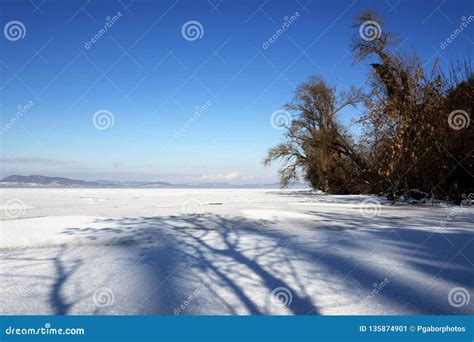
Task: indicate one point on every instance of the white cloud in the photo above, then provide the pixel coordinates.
(231, 176)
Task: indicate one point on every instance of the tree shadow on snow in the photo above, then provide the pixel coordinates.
(210, 263)
(190, 254)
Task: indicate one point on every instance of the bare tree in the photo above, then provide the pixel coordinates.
(316, 145)
(407, 118)
(416, 126)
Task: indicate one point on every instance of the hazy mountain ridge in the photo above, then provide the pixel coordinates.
(39, 181)
(44, 181)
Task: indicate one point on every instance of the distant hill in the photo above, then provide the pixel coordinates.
(38, 181)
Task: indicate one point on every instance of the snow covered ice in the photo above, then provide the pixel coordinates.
(198, 251)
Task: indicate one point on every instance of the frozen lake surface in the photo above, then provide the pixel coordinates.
(153, 251)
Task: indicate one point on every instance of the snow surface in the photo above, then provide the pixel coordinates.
(197, 251)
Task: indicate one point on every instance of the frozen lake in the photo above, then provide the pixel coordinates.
(198, 251)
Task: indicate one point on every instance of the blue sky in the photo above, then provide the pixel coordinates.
(151, 80)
